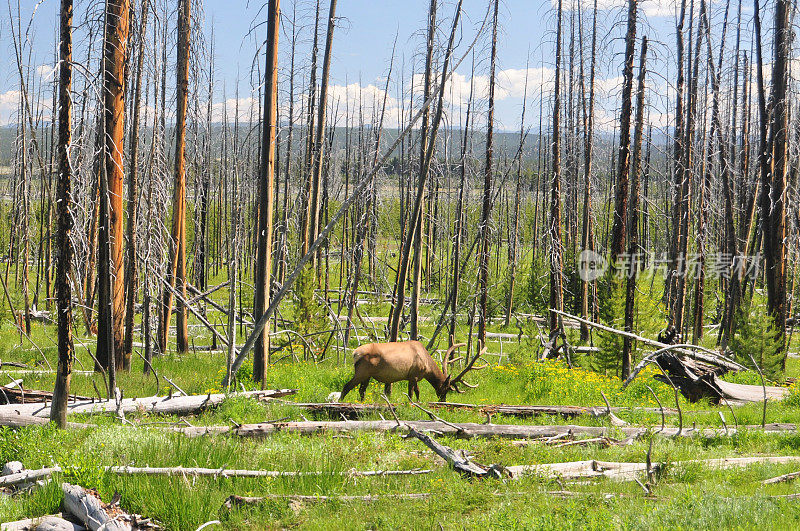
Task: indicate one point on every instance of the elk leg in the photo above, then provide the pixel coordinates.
(412, 386)
(349, 386)
(416, 389)
(362, 389)
(387, 390)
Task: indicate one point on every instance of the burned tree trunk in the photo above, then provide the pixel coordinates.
(176, 275)
(266, 185)
(556, 264)
(623, 162)
(66, 351)
(413, 239)
(319, 141)
(110, 265)
(417, 228)
(486, 208)
(774, 202)
(514, 238)
(681, 272)
(587, 236)
(633, 218)
(133, 166)
(677, 159)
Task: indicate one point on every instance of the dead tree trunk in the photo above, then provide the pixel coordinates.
(774, 205)
(486, 208)
(110, 268)
(66, 350)
(309, 155)
(514, 238)
(133, 167)
(587, 236)
(633, 219)
(176, 275)
(319, 142)
(266, 186)
(677, 154)
(618, 235)
(556, 264)
(417, 228)
(681, 272)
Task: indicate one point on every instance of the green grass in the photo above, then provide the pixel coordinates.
(684, 497)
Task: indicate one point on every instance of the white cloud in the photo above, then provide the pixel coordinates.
(510, 85)
(370, 98)
(9, 106)
(46, 72)
(651, 8)
(247, 109)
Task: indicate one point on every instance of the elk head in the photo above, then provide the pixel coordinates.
(452, 384)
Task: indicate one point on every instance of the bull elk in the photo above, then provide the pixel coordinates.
(405, 360)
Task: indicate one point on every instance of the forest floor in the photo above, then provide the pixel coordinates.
(681, 495)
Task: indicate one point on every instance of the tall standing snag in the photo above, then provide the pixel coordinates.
(633, 219)
(486, 209)
(556, 264)
(66, 351)
(413, 238)
(111, 296)
(774, 205)
(621, 198)
(266, 184)
(133, 165)
(177, 272)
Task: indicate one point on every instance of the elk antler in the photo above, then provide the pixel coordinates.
(470, 366)
(446, 361)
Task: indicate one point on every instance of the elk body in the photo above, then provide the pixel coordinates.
(403, 360)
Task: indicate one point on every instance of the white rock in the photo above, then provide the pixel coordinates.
(13, 467)
(334, 397)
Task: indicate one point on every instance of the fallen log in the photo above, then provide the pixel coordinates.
(457, 461)
(749, 393)
(627, 471)
(355, 410)
(525, 411)
(234, 500)
(43, 523)
(164, 405)
(87, 506)
(15, 364)
(28, 476)
(338, 409)
(230, 473)
(16, 394)
(706, 356)
(464, 430)
(781, 479)
(15, 420)
(696, 382)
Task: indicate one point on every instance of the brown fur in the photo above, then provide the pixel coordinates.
(393, 362)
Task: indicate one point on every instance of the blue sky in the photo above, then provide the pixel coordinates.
(363, 42)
